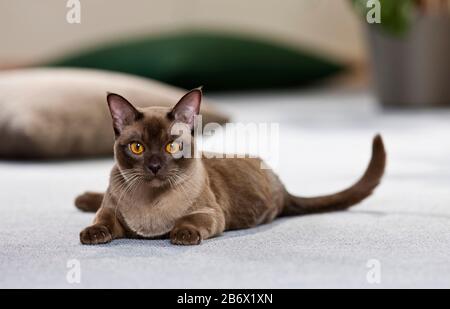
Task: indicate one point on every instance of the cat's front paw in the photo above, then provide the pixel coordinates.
(95, 234)
(185, 235)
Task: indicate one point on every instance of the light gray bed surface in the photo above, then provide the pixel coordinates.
(324, 146)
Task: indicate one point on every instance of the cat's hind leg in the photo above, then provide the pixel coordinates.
(89, 201)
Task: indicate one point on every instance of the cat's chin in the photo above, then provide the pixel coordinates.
(156, 182)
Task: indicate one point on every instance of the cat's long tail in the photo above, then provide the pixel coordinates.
(342, 200)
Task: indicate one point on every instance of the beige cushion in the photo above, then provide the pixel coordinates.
(62, 113)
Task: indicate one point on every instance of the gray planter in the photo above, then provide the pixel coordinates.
(413, 70)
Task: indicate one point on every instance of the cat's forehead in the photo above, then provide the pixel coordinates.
(153, 126)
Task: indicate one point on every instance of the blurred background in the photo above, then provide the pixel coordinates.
(196, 42)
(224, 45)
(34, 31)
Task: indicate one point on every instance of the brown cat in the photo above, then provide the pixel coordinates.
(156, 189)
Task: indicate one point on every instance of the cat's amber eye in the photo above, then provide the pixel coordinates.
(136, 148)
(174, 147)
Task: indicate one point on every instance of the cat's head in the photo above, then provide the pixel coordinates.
(154, 145)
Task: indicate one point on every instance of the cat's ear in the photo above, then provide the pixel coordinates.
(122, 112)
(188, 107)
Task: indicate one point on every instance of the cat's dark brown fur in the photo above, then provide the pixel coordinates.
(191, 199)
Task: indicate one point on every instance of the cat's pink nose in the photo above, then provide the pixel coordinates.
(154, 165)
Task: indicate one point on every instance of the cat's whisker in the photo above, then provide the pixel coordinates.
(124, 192)
(126, 186)
(178, 185)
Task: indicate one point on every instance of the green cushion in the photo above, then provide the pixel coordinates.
(217, 61)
